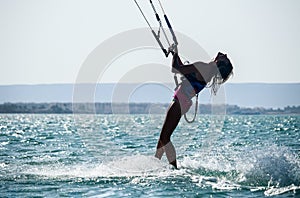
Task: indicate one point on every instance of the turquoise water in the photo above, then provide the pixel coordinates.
(111, 156)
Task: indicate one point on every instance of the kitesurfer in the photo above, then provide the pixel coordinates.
(197, 76)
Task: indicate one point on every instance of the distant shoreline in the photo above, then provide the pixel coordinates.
(135, 108)
(276, 95)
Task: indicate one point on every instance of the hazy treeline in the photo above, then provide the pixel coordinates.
(134, 108)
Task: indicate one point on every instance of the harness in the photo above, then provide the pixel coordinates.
(171, 48)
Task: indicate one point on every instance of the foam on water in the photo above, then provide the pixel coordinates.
(131, 166)
(277, 191)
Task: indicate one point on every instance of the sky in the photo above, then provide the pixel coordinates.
(47, 41)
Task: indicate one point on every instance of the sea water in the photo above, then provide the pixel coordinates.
(112, 156)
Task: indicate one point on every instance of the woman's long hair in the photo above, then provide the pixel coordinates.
(222, 75)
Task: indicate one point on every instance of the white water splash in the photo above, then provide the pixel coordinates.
(272, 169)
(132, 166)
(277, 191)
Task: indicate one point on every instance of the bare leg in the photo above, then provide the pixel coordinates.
(164, 144)
(171, 154)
